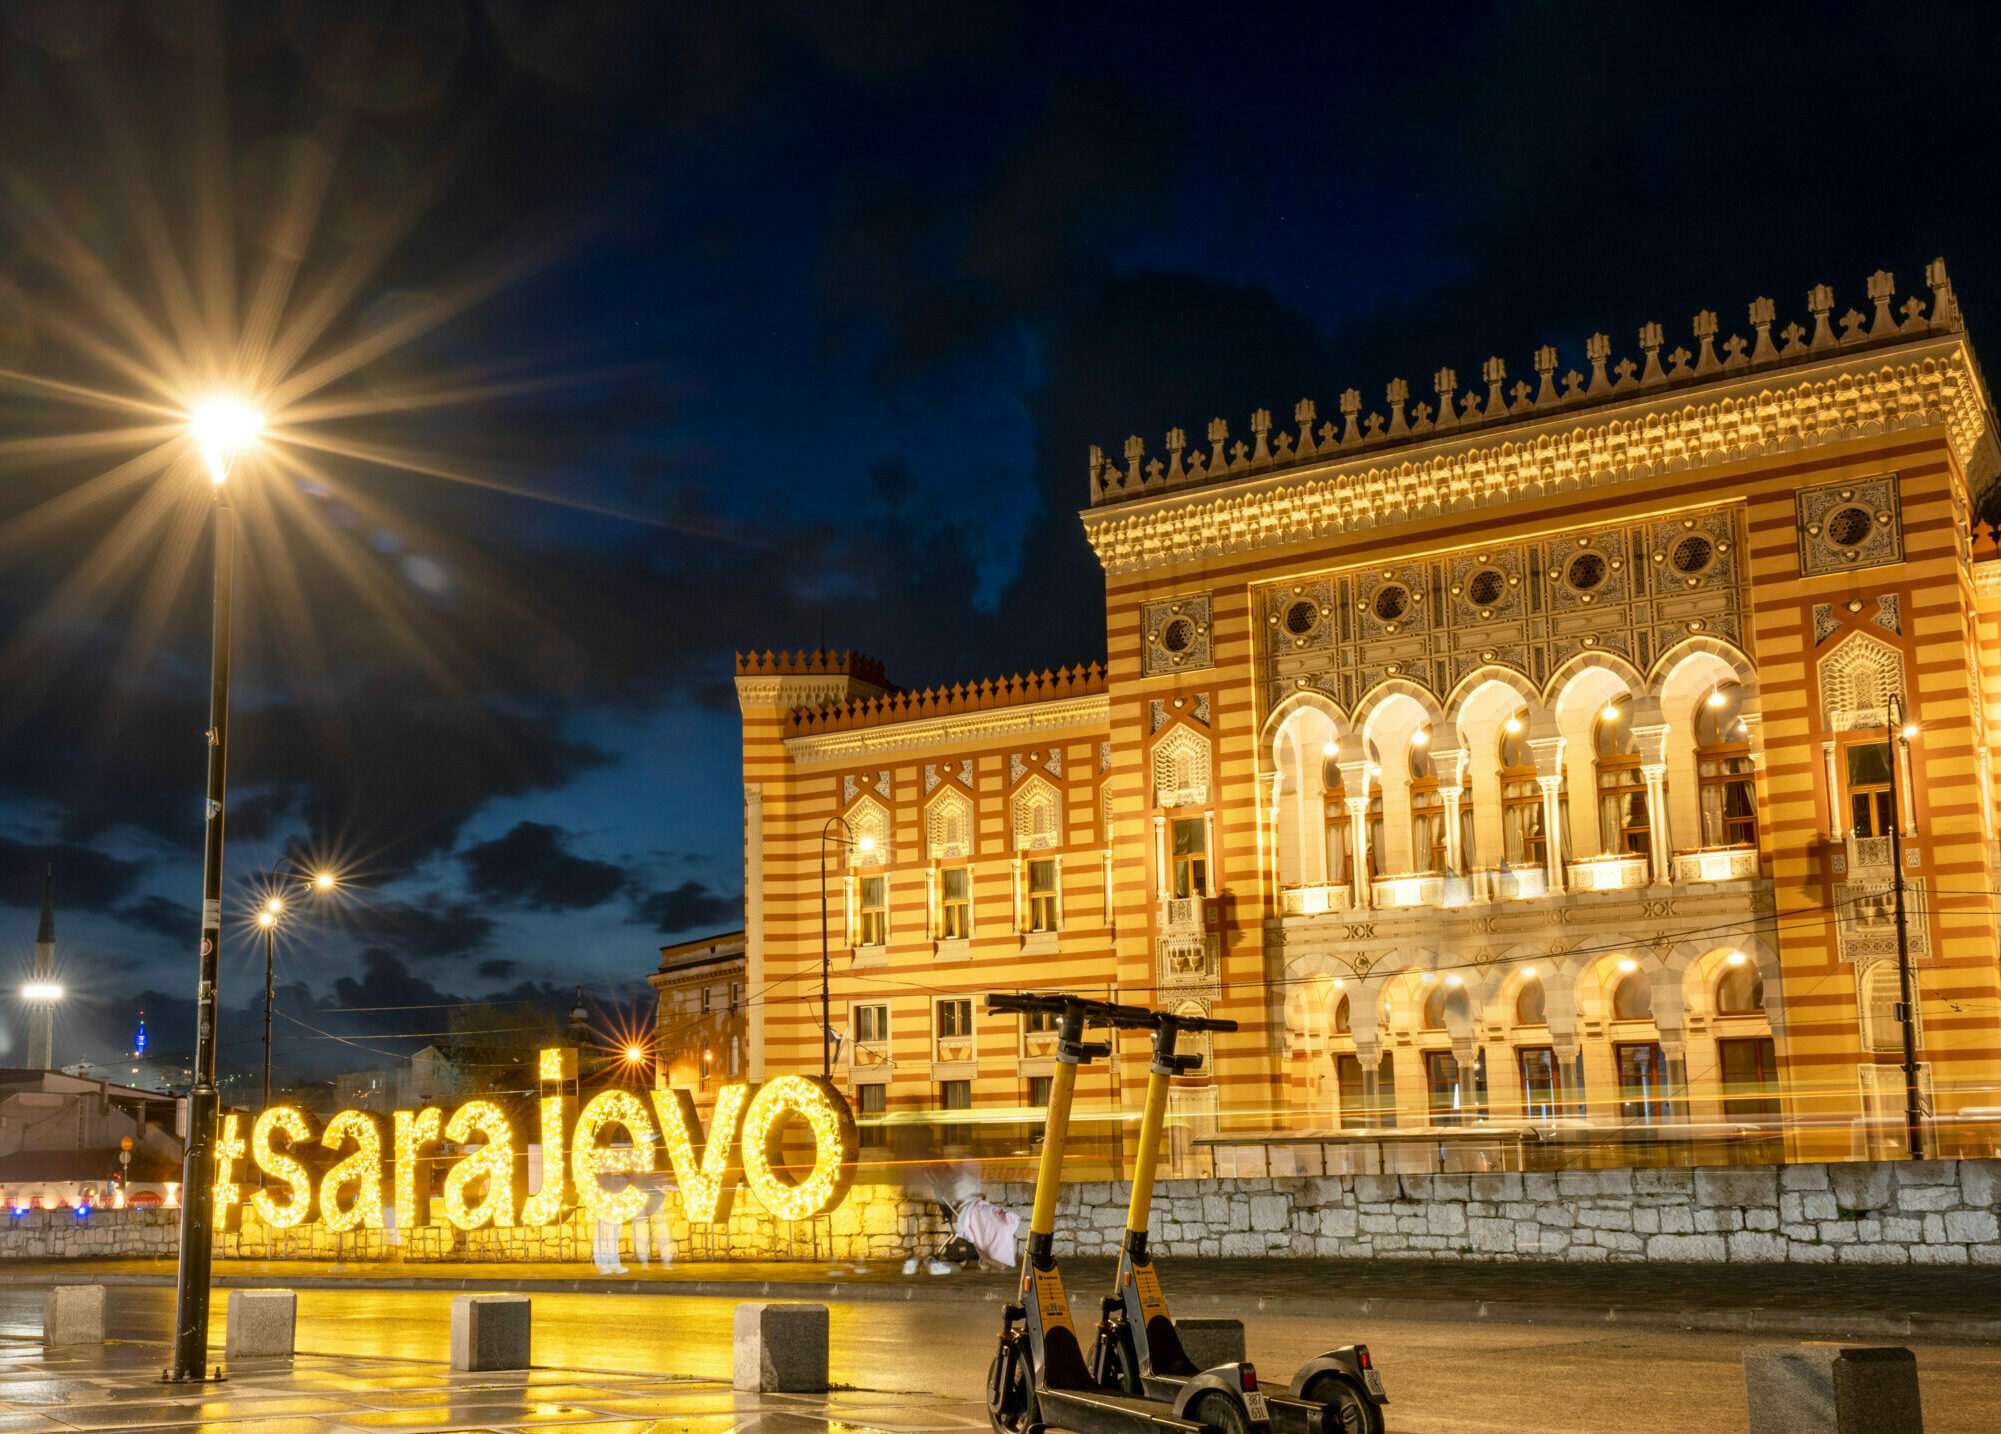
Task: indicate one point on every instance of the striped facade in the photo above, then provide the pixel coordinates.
(1532, 766)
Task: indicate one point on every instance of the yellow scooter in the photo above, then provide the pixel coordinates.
(1138, 1349)
(1038, 1377)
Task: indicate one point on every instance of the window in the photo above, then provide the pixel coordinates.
(1191, 857)
(1869, 793)
(955, 905)
(1643, 1087)
(1531, 1008)
(1441, 1071)
(1882, 993)
(1729, 801)
(874, 925)
(871, 1024)
(1042, 895)
(1538, 1068)
(955, 1095)
(955, 1019)
(1741, 992)
(870, 1101)
(1353, 1095)
(1386, 1093)
(1622, 791)
(1750, 1071)
(1038, 1091)
(1522, 836)
(1633, 998)
(1341, 1017)
(1038, 1021)
(1340, 841)
(1434, 1007)
(1430, 820)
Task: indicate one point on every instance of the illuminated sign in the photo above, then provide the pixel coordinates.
(586, 1159)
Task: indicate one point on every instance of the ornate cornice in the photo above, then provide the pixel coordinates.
(1929, 381)
(992, 724)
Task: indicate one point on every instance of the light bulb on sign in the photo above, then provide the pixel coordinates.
(589, 1160)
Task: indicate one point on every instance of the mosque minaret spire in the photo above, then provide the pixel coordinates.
(42, 1013)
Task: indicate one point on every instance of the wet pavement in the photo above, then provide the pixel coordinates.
(661, 1365)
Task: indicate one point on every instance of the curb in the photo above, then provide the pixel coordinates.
(1943, 1329)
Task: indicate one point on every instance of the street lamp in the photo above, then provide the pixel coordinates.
(1902, 733)
(220, 430)
(268, 918)
(867, 843)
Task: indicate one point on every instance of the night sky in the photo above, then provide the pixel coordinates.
(638, 333)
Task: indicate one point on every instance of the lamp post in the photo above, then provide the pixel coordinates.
(826, 1003)
(274, 909)
(1900, 732)
(219, 430)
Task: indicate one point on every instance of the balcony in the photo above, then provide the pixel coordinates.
(1315, 900)
(1723, 863)
(1418, 888)
(1510, 883)
(1619, 871)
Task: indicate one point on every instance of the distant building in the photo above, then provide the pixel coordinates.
(432, 1077)
(60, 1140)
(699, 1026)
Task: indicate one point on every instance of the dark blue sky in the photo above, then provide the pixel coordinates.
(770, 312)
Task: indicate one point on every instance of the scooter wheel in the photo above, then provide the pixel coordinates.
(1010, 1398)
(1347, 1411)
(1221, 1413)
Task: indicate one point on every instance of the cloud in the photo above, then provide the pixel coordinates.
(687, 907)
(532, 867)
(86, 879)
(496, 969)
(428, 929)
(162, 916)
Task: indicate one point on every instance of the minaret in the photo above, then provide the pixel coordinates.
(42, 1013)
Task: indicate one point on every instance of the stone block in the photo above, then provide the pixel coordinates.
(1496, 1188)
(1831, 1389)
(1980, 1182)
(260, 1324)
(1938, 1255)
(1211, 1342)
(1928, 1197)
(1860, 1186)
(1803, 1177)
(1972, 1227)
(1757, 1248)
(490, 1332)
(73, 1314)
(780, 1348)
(1339, 1224)
(1738, 1185)
(1270, 1212)
(1925, 1172)
(1375, 1189)
(1695, 1249)
(1492, 1236)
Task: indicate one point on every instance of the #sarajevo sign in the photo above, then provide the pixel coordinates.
(613, 1135)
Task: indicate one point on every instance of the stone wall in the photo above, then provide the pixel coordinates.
(1912, 1212)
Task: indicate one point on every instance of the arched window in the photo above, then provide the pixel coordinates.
(1430, 832)
(1530, 1006)
(1340, 840)
(1741, 992)
(1723, 768)
(1622, 791)
(1523, 838)
(1881, 991)
(1341, 1026)
(1633, 997)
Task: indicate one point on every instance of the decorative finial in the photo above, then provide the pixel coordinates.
(1446, 382)
(1219, 434)
(1135, 450)
(1097, 473)
(1763, 312)
(1705, 341)
(1819, 303)
(1176, 441)
(1882, 289)
(1651, 339)
(1598, 348)
(1495, 372)
(1398, 395)
(1545, 364)
(1945, 307)
(1261, 427)
(1303, 414)
(1351, 404)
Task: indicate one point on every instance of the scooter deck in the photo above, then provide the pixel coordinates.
(1097, 1412)
(1288, 1415)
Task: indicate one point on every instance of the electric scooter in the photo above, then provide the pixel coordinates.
(1038, 1377)
(1138, 1349)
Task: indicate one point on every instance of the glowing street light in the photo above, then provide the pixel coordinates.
(222, 428)
(41, 992)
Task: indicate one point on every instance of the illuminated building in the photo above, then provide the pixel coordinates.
(699, 1022)
(1523, 754)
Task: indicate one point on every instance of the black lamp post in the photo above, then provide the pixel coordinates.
(1906, 1012)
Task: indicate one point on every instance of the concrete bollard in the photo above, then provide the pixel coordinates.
(73, 1314)
(261, 1324)
(781, 1348)
(1832, 1389)
(490, 1332)
(1210, 1342)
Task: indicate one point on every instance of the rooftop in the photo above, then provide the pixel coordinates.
(1455, 414)
(1086, 679)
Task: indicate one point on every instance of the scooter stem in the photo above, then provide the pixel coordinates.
(1049, 1174)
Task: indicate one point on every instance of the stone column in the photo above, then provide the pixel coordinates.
(1837, 809)
(1451, 770)
(1162, 860)
(1546, 743)
(1650, 732)
(1676, 1054)
(1358, 841)
(1570, 1095)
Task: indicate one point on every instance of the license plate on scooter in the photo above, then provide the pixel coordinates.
(1374, 1380)
(1254, 1405)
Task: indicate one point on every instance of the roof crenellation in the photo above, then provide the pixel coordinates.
(1047, 686)
(1453, 413)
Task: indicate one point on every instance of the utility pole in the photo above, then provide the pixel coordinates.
(1906, 1011)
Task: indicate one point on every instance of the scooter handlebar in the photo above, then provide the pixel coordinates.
(1203, 1023)
(1096, 1013)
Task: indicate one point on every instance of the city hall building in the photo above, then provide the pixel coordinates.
(1529, 751)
